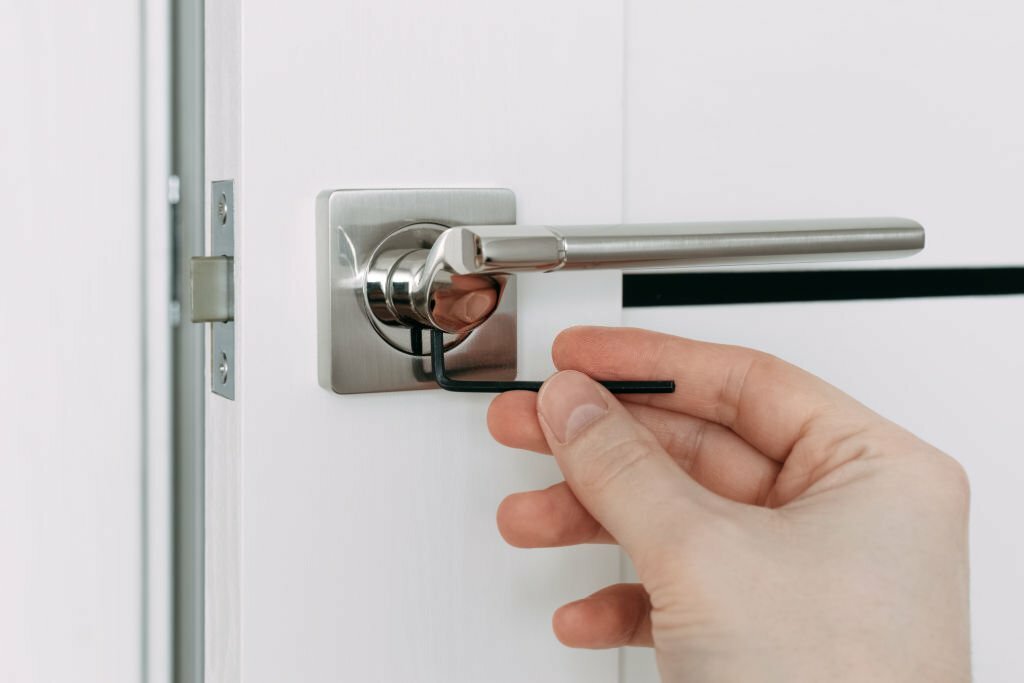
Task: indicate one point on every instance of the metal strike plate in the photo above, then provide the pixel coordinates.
(222, 243)
(359, 354)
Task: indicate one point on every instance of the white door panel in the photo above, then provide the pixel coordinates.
(368, 545)
(950, 370)
(741, 109)
(352, 537)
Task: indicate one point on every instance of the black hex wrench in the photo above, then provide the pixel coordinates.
(488, 386)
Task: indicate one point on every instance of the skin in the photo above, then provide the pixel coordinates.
(781, 531)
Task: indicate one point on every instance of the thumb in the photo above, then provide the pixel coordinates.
(615, 466)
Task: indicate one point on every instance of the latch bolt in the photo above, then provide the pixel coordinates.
(212, 295)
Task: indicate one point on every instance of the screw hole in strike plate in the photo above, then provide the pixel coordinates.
(222, 368)
(222, 208)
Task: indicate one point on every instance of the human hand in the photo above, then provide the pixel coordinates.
(781, 531)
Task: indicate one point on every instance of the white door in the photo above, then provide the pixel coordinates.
(352, 537)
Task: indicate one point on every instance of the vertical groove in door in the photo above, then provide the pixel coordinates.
(143, 408)
(151, 19)
(188, 342)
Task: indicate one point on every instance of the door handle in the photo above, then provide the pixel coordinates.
(398, 268)
(430, 287)
(509, 249)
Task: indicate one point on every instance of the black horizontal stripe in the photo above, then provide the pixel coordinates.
(702, 289)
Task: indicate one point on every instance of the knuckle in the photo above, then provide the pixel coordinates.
(606, 464)
(938, 481)
(733, 389)
(952, 481)
(694, 447)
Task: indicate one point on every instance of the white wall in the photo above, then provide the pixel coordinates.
(73, 339)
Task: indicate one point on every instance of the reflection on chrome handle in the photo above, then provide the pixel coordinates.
(456, 284)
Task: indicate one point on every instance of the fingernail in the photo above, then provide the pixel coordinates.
(568, 402)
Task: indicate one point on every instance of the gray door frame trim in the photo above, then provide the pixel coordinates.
(188, 239)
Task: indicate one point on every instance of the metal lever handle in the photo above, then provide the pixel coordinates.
(455, 285)
(479, 249)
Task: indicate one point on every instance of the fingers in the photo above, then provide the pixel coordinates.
(612, 617)
(615, 466)
(512, 421)
(766, 401)
(548, 519)
(713, 455)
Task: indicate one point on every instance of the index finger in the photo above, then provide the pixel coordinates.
(765, 400)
